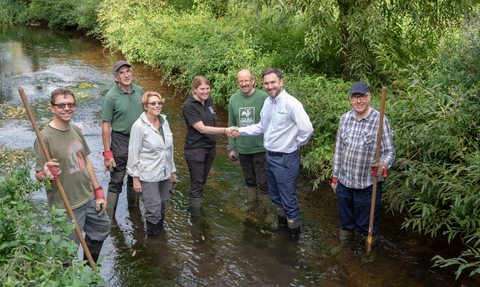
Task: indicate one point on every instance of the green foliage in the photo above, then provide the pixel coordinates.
(436, 176)
(34, 244)
(185, 45)
(459, 57)
(360, 30)
(13, 11)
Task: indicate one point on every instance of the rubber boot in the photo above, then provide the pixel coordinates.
(152, 229)
(294, 228)
(160, 223)
(112, 201)
(345, 234)
(195, 206)
(164, 209)
(94, 246)
(132, 197)
(252, 196)
(269, 208)
(282, 218)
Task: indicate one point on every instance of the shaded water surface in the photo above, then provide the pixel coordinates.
(223, 247)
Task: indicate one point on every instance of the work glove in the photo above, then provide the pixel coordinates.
(232, 154)
(173, 185)
(378, 169)
(109, 161)
(334, 184)
(51, 170)
(100, 201)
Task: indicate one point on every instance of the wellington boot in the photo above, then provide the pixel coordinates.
(152, 229)
(282, 218)
(195, 206)
(160, 223)
(94, 246)
(112, 201)
(269, 208)
(132, 197)
(294, 228)
(252, 196)
(345, 234)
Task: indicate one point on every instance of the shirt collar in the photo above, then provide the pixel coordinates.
(366, 118)
(132, 89)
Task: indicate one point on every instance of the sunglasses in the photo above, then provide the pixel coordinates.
(157, 103)
(62, 106)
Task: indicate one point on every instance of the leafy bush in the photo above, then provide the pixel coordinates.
(34, 244)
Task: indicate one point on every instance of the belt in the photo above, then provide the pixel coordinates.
(273, 153)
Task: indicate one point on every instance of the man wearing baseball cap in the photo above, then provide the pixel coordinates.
(121, 107)
(354, 164)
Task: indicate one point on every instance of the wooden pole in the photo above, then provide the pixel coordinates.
(375, 178)
(57, 180)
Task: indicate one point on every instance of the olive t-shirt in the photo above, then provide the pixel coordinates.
(71, 150)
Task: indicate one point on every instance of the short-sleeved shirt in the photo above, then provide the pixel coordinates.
(122, 109)
(194, 112)
(71, 150)
(244, 111)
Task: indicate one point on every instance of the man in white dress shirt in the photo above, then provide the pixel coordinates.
(286, 127)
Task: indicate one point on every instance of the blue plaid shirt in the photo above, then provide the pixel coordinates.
(356, 147)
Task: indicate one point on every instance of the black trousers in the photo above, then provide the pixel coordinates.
(253, 167)
(119, 147)
(199, 161)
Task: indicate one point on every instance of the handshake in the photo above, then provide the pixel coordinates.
(232, 132)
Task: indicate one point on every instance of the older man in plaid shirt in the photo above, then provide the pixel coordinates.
(354, 164)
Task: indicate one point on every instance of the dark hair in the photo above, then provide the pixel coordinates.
(272, 70)
(61, 91)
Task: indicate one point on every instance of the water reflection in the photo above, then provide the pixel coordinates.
(223, 247)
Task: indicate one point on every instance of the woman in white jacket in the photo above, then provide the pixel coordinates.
(150, 160)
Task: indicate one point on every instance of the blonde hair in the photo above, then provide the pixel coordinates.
(147, 95)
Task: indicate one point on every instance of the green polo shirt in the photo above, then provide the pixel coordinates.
(122, 109)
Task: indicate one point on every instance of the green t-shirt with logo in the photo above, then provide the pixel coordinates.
(244, 111)
(71, 150)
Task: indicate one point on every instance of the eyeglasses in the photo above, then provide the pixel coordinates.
(62, 106)
(157, 103)
(361, 97)
(244, 81)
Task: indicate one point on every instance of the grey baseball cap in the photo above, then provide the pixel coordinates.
(359, 88)
(119, 64)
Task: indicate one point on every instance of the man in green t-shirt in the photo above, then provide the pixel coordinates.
(121, 107)
(243, 110)
(69, 150)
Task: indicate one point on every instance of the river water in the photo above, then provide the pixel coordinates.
(223, 247)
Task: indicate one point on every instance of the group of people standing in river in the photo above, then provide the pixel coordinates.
(266, 130)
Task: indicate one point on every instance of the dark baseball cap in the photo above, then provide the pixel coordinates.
(119, 64)
(359, 88)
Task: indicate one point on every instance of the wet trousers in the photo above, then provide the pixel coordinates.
(282, 173)
(354, 207)
(96, 227)
(119, 147)
(199, 161)
(155, 196)
(253, 167)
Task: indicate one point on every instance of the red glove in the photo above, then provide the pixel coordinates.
(100, 201)
(51, 170)
(109, 161)
(378, 169)
(334, 184)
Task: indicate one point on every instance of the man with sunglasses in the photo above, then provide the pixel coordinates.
(121, 107)
(243, 110)
(69, 150)
(354, 164)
